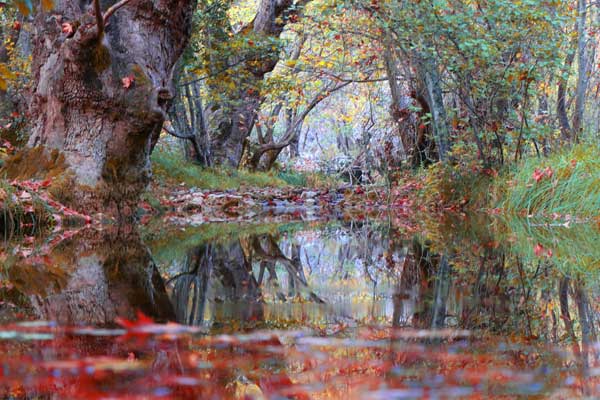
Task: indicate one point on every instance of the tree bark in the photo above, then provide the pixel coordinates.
(435, 99)
(233, 118)
(582, 69)
(399, 109)
(561, 101)
(101, 90)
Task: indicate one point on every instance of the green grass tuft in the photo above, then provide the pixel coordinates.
(573, 187)
(170, 166)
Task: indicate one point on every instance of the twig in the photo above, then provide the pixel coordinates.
(112, 9)
(100, 21)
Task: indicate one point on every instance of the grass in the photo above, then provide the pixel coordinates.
(170, 167)
(572, 249)
(568, 183)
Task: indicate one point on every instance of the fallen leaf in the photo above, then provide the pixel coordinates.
(128, 81)
(67, 29)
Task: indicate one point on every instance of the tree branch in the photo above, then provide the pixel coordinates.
(99, 18)
(173, 133)
(112, 9)
(291, 132)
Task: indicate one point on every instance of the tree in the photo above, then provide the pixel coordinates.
(237, 61)
(102, 87)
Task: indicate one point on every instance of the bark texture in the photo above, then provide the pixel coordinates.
(82, 106)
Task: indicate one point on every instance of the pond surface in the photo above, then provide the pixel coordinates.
(332, 309)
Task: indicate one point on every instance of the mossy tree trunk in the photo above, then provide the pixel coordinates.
(102, 87)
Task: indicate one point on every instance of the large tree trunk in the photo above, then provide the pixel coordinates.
(101, 95)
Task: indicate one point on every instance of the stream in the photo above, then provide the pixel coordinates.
(352, 309)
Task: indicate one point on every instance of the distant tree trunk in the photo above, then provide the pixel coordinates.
(294, 148)
(189, 123)
(399, 109)
(101, 90)
(561, 101)
(230, 126)
(232, 119)
(439, 120)
(268, 148)
(582, 69)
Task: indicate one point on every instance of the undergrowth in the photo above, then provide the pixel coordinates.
(169, 166)
(454, 187)
(22, 212)
(564, 183)
(312, 179)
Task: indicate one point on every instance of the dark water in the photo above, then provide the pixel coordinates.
(361, 309)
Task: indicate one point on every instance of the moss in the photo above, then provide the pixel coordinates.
(100, 58)
(35, 163)
(170, 167)
(18, 217)
(139, 76)
(41, 164)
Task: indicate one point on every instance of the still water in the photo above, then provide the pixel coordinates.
(332, 309)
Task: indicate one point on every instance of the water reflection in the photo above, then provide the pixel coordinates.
(530, 314)
(347, 275)
(88, 280)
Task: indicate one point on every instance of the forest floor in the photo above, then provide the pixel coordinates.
(563, 188)
(185, 205)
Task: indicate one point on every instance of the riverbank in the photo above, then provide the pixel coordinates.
(564, 186)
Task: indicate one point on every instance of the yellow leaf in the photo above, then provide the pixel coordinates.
(47, 5)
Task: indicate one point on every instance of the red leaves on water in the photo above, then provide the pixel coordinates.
(145, 326)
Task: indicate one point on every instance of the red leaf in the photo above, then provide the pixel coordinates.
(538, 175)
(538, 250)
(128, 81)
(67, 28)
